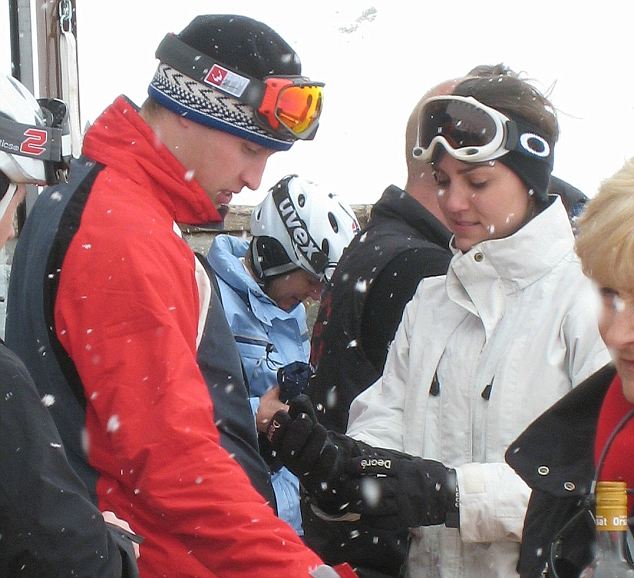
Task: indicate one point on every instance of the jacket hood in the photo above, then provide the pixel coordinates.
(225, 258)
(148, 162)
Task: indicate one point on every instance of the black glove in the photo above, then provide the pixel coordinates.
(269, 455)
(318, 457)
(397, 490)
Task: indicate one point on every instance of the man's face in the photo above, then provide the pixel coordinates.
(221, 163)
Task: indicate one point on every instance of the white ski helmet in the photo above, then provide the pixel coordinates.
(299, 225)
(34, 135)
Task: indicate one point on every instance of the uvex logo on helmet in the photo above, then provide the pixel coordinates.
(297, 229)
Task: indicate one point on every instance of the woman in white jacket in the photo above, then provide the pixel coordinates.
(480, 352)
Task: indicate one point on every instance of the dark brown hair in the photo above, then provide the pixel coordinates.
(501, 88)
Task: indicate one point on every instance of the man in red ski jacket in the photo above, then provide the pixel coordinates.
(118, 321)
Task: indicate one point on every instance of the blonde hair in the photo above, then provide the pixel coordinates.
(605, 242)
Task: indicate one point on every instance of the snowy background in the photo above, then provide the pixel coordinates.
(378, 57)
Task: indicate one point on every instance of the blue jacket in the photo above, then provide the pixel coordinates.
(267, 337)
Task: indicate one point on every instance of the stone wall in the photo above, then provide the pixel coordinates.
(237, 223)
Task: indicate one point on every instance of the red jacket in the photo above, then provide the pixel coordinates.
(127, 313)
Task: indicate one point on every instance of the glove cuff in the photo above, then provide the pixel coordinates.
(453, 500)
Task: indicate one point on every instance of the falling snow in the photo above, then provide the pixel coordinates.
(371, 491)
(113, 424)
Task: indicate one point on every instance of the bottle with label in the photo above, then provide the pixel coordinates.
(611, 525)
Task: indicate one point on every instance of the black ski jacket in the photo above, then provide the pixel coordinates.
(49, 528)
(555, 457)
(360, 311)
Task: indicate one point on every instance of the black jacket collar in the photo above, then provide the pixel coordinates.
(555, 453)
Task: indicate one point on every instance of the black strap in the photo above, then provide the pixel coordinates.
(68, 227)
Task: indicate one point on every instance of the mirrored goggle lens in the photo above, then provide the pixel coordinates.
(298, 108)
(460, 123)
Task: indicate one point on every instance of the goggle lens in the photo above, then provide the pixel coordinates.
(461, 124)
(298, 107)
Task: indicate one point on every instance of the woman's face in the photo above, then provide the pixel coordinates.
(480, 200)
(617, 330)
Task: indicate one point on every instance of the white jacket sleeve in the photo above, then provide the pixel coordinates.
(493, 502)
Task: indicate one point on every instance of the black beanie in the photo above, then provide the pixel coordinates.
(241, 44)
(534, 173)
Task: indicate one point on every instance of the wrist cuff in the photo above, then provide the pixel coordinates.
(453, 500)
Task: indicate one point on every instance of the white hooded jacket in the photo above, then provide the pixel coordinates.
(509, 330)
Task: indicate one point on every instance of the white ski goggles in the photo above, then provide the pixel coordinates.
(473, 132)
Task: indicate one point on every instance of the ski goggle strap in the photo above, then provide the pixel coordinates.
(49, 144)
(284, 105)
(473, 132)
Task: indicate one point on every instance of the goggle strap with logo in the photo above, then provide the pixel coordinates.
(189, 61)
(37, 142)
(518, 139)
(298, 232)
